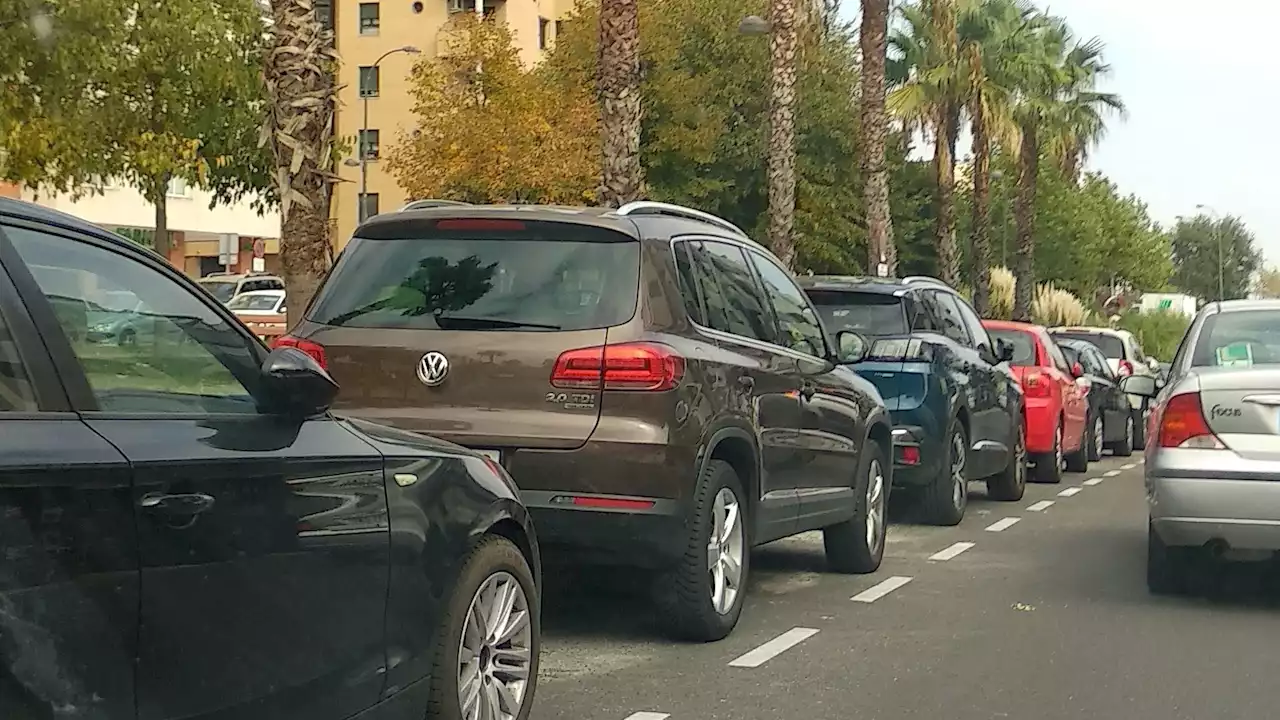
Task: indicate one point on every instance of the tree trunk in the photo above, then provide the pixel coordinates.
(1024, 213)
(980, 240)
(160, 200)
(1071, 162)
(620, 111)
(301, 86)
(873, 37)
(944, 170)
(782, 130)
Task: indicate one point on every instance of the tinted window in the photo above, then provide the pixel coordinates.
(1110, 345)
(16, 393)
(800, 328)
(1238, 339)
(485, 283)
(1024, 346)
(170, 353)
(1095, 363)
(733, 300)
(688, 278)
(1071, 355)
(867, 313)
(973, 324)
(1055, 355)
(263, 303)
(948, 316)
(221, 290)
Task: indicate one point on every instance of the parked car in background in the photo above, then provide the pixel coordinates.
(956, 406)
(189, 533)
(1060, 429)
(1108, 404)
(1125, 357)
(1213, 464)
(262, 310)
(654, 380)
(225, 285)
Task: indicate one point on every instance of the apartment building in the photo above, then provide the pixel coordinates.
(374, 77)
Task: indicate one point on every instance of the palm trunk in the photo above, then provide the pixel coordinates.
(944, 170)
(620, 110)
(781, 173)
(1071, 165)
(1024, 211)
(873, 37)
(980, 238)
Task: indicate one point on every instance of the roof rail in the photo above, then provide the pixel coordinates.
(424, 204)
(649, 207)
(924, 279)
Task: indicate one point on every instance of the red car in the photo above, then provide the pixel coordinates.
(1057, 408)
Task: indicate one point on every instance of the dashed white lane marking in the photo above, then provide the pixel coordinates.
(648, 716)
(774, 647)
(1042, 505)
(1093, 481)
(1111, 473)
(1069, 492)
(951, 552)
(1128, 466)
(1002, 525)
(875, 592)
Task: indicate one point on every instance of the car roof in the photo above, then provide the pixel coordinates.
(23, 210)
(869, 284)
(1012, 325)
(259, 293)
(1091, 330)
(1224, 306)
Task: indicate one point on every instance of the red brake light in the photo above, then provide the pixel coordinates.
(1182, 424)
(631, 366)
(479, 224)
(314, 349)
(1126, 368)
(1035, 385)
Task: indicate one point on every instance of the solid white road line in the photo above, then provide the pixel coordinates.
(774, 647)
(1128, 466)
(951, 552)
(875, 592)
(1002, 525)
(1111, 473)
(1069, 492)
(648, 716)
(1093, 481)
(1042, 505)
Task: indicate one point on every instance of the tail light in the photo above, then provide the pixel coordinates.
(314, 349)
(630, 366)
(1035, 385)
(1182, 424)
(1126, 368)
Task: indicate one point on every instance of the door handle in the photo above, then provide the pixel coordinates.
(178, 504)
(808, 390)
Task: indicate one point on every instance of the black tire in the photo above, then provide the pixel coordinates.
(490, 556)
(1011, 483)
(1097, 437)
(1078, 461)
(1124, 447)
(1167, 567)
(1048, 470)
(848, 550)
(939, 501)
(686, 594)
(1139, 427)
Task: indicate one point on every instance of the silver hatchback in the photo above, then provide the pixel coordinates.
(1213, 456)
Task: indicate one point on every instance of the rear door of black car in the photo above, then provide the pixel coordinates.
(68, 551)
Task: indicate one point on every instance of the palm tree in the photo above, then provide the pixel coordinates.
(1080, 123)
(620, 109)
(873, 39)
(301, 87)
(781, 165)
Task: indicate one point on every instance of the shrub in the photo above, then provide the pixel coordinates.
(1055, 306)
(1158, 332)
(1001, 300)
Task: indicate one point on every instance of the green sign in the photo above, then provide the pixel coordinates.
(1166, 303)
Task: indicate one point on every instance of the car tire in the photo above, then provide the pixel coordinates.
(1097, 438)
(1167, 567)
(1011, 483)
(1049, 465)
(1139, 427)
(946, 498)
(1078, 461)
(687, 596)
(495, 564)
(856, 546)
(1124, 448)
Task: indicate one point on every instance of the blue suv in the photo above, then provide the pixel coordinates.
(956, 406)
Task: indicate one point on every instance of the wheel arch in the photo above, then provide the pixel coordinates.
(738, 448)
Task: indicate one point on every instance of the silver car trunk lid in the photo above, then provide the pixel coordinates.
(1242, 407)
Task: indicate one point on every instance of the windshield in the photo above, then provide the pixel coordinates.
(1024, 346)
(1241, 338)
(265, 303)
(866, 313)
(1110, 345)
(482, 284)
(220, 289)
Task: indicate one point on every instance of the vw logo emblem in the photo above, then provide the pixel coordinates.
(432, 368)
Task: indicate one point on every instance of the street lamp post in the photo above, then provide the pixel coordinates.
(1217, 235)
(364, 131)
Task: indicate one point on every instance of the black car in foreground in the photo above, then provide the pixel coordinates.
(186, 532)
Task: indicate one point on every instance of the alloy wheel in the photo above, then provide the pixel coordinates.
(495, 652)
(959, 486)
(1059, 456)
(725, 551)
(876, 507)
(1128, 432)
(1097, 435)
(1020, 459)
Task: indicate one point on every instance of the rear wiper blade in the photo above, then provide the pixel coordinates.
(454, 320)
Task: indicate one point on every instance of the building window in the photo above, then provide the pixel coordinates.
(368, 206)
(369, 144)
(369, 18)
(178, 188)
(370, 81)
(324, 13)
(559, 28)
(543, 25)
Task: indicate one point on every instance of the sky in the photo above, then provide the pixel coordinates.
(1202, 83)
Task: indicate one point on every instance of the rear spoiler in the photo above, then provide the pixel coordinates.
(903, 348)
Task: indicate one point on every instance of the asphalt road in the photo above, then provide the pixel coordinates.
(1047, 618)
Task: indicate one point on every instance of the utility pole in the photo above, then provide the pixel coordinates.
(364, 131)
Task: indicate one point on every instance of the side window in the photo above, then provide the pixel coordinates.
(923, 314)
(146, 343)
(1055, 354)
(733, 301)
(972, 323)
(687, 277)
(797, 321)
(1097, 364)
(949, 318)
(16, 393)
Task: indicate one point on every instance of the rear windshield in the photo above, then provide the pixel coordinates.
(866, 313)
(221, 290)
(254, 302)
(1239, 339)
(482, 284)
(1110, 345)
(1024, 346)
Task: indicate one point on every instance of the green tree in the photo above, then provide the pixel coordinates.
(1214, 258)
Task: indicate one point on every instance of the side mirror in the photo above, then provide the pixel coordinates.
(852, 346)
(281, 311)
(296, 384)
(1077, 370)
(1153, 363)
(1140, 385)
(1004, 350)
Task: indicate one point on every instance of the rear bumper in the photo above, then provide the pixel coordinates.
(1041, 422)
(1245, 514)
(653, 538)
(914, 437)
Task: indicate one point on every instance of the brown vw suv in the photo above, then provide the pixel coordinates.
(656, 383)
